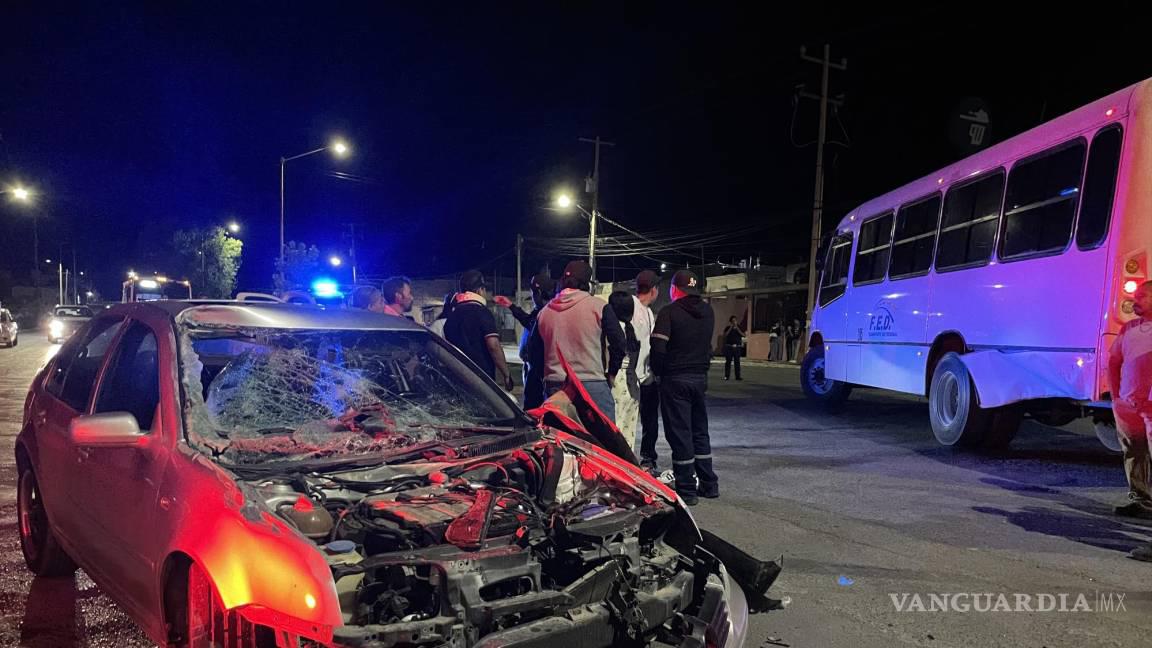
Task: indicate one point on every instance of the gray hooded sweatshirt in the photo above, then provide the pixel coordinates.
(577, 324)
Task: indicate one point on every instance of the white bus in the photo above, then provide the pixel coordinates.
(995, 286)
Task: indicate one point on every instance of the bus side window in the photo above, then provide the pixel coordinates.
(914, 239)
(872, 251)
(1041, 200)
(835, 277)
(969, 221)
(1099, 188)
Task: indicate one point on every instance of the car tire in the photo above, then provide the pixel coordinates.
(15, 341)
(42, 552)
(206, 624)
(829, 393)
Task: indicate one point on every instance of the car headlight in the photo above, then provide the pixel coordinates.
(56, 327)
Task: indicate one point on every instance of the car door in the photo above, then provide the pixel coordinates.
(68, 386)
(121, 483)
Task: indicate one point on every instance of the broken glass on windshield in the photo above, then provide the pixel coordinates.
(270, 394)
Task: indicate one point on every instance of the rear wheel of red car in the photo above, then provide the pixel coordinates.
(206, 624)
(42, 553)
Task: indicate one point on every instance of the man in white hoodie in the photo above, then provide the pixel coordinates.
(576, 324)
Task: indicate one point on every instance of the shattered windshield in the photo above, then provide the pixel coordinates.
(258, 395)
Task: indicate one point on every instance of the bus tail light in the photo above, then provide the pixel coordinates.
(1134, 276)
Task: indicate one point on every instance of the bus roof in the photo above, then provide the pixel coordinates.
(1086, 118)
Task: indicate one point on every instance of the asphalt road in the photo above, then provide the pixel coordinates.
(862, 504)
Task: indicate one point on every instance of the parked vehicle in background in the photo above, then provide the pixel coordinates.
(66, 320)
(9, 330)
(137, 288)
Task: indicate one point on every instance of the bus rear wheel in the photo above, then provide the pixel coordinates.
(818, 387)
(957, 419)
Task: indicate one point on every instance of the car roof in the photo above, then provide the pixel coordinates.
(236, 314)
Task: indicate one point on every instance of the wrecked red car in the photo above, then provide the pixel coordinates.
(246, 474)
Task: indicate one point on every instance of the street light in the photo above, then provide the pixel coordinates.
(234, 227)
(338, 147)
(564, 201)
(22, 194)
(335, 261)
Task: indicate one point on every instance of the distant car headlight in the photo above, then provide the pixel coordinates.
(56, 328)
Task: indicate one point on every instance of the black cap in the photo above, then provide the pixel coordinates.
(578, 270)
(544, 283)
(471, 281)
(646, 281)
(686, 281)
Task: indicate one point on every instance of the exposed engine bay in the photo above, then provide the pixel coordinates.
(527, 539)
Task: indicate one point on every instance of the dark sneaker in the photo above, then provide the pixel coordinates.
(1135, 509)
(689, 498)
(711, 490)
(1142, 553)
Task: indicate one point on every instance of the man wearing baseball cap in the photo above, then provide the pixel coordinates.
(681, 356)
(472, 328)
(576, 324)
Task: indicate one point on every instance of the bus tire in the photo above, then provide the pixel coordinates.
(828, 393)
(957, 419)
(1003, 424)
(1104, 424)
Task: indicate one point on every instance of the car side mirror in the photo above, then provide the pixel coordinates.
(110, 430)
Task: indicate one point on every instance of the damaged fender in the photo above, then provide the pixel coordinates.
(1005, 377)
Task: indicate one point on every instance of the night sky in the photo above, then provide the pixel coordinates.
(133, 121)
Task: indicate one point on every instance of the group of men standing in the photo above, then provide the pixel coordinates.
(637, 367)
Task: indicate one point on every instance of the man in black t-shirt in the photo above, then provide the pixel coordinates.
(471, 327)
(681, 356)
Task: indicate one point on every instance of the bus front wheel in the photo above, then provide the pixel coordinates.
(957, 418)
(818, 387)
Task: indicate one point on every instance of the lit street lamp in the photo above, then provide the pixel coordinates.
(338, 147)
(564, 201)
(22, 194)
(234, 227)
(335, 261)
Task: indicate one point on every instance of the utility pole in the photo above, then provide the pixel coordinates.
(592, 186)
(352, 249)
(519, 278)
(60, 280)
(75, 278)
(818, 199)
(519, 260)
(36, 250)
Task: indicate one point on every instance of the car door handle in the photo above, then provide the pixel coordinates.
(166, 503)
(41, 417)
(83, 454)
